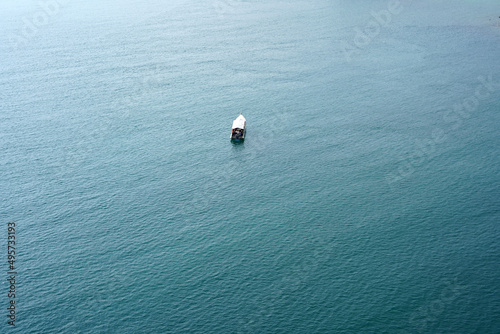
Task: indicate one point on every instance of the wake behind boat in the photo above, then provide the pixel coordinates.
(238, 130)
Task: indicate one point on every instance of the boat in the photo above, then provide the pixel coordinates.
(238, 130)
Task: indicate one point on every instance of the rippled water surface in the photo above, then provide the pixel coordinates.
(365, 198)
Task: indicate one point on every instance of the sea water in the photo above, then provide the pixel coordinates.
(364, 199)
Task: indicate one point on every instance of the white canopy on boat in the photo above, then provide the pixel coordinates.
(239, 123)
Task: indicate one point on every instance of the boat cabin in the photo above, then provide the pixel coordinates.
(238, 130)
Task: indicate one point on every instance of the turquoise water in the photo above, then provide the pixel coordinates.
(365, 198)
